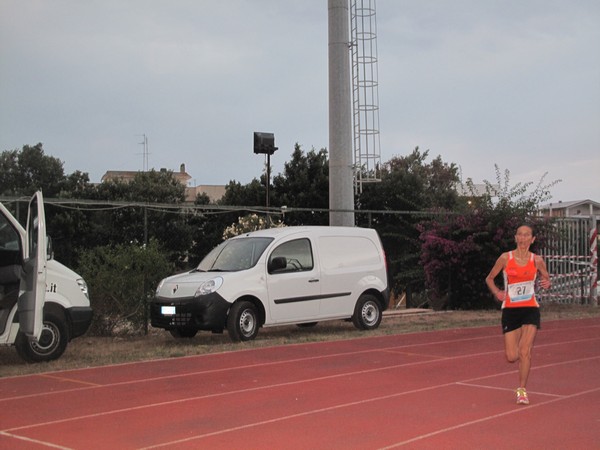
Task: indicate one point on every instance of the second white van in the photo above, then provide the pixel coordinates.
(43, 304)
(290, 275)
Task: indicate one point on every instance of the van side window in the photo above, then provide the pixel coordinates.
(298, 256)
(10, 261)
(10, 245)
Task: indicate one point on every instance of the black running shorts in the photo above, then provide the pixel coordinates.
(514, 318)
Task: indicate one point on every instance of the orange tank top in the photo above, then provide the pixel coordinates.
(519, 283)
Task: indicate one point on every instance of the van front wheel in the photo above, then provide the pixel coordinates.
(242, 322)
(52, 343)
(367, 313)
(181, 332)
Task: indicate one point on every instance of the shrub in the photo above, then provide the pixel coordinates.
(459, 250)
(121, 279)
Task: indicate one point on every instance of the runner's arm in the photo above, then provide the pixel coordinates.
(498, 293)
(540, 265)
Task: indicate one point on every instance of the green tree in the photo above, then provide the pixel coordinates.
(76, 185)
(67, 225)
(304, 183)
(251, 194)
(151, 187)
(410, 183)
(202, 199)
(129, 223)
(417, 187)
(22, 172)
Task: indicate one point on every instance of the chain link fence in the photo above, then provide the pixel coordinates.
(123, 249)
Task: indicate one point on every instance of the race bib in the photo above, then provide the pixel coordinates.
(521, 292)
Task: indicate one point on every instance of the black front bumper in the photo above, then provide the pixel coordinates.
(208, 312)
(80, 318)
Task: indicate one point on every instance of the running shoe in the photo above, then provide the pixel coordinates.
(522, 398)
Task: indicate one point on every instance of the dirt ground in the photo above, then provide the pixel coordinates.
(92, 351)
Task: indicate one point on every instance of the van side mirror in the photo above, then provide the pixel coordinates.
(49, 248)
(277, 263)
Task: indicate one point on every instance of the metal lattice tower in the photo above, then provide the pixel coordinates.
(365, 94)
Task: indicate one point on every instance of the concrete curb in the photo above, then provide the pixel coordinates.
(407, 311)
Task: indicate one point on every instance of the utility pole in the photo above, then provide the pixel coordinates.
(341, 174)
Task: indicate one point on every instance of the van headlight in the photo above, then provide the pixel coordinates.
(160, 285)
(83, 286)
(208, 287)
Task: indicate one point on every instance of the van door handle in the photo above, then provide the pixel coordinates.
(313, 280)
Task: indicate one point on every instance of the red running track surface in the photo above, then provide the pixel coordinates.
(446, 389)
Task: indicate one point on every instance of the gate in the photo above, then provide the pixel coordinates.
(572, 261)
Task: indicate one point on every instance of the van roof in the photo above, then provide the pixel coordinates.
(312, 229)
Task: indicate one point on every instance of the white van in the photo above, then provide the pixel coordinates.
(43, 304)
(290, 275)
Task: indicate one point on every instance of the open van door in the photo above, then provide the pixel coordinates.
(33, 281)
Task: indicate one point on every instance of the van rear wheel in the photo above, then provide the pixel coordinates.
(242, 321)
(367, 313)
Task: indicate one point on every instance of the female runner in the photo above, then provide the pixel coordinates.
(520, 309)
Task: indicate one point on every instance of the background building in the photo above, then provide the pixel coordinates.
(577, 208)
(214, 192)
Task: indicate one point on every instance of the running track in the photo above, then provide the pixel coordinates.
(446, 389)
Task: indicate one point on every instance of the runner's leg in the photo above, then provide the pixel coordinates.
(525, 346)
(511, 345)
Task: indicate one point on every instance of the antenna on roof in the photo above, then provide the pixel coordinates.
(145, 153)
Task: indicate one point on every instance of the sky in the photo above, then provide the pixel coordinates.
(513, 84)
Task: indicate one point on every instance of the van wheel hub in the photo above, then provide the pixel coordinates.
(370, 313)
(247, 323)
(48, 339)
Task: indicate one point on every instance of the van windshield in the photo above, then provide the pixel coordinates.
(234, 254)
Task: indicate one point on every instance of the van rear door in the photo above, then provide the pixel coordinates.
(33, 282)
